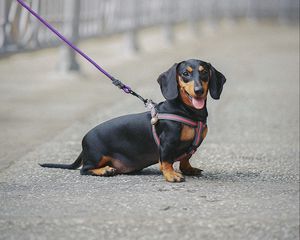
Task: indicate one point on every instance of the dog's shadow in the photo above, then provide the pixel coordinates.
(208, 175)
(216, 175)
(230, 176)
(146, 172)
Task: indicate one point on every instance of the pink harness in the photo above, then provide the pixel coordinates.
(199, 128)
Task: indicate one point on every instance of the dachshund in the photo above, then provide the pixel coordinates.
(170, 133)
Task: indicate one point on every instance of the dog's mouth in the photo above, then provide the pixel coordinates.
(197, 102)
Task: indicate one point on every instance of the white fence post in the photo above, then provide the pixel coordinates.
(193, 18)
(4, 24)
(131, 35)
(168, 25)
(67, 60)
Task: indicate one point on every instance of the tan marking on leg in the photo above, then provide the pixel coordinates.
(104, 161)
(104, 171)
(169, 173)
(116, 164)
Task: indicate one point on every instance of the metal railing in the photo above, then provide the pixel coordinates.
(78, 19)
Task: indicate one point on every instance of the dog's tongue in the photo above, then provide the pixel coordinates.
(198, 103)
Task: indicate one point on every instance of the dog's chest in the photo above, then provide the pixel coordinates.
(187, 133)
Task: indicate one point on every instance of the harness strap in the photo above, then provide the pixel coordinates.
(198, 139)
(177, 118)
(199, 127)
(155, 136)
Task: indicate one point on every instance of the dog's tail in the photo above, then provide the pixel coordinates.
(74, 165)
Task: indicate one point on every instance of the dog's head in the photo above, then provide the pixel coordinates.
(191, 80)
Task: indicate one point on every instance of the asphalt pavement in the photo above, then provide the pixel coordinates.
(250, 184)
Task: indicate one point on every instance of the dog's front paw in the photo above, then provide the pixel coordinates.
(192, 171)
(169, 173)
(172, 176)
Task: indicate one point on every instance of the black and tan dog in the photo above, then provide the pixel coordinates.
(130, 143)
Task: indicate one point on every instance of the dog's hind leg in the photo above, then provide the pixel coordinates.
(102, 168)
(106, 171)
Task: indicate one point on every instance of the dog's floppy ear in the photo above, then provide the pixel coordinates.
(216, 83)
(168, 83)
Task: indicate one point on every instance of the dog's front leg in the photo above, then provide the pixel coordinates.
(186, 168)
(169, 172)
(167, 153)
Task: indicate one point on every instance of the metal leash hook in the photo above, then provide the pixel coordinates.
(150, 105)
(115, 81)
(120, 85)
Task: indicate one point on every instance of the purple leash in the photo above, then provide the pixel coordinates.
(115, 81)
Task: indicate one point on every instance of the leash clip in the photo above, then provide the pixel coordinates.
(150, 105)
(121, 85)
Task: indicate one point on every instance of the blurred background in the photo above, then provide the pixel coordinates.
(45, 86)
(79, 19)
(50, 97)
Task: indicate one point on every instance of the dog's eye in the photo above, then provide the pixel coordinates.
(186, 74)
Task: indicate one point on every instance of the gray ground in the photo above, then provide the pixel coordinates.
(250, 186)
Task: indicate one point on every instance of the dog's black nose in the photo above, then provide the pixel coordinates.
(198, 90)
